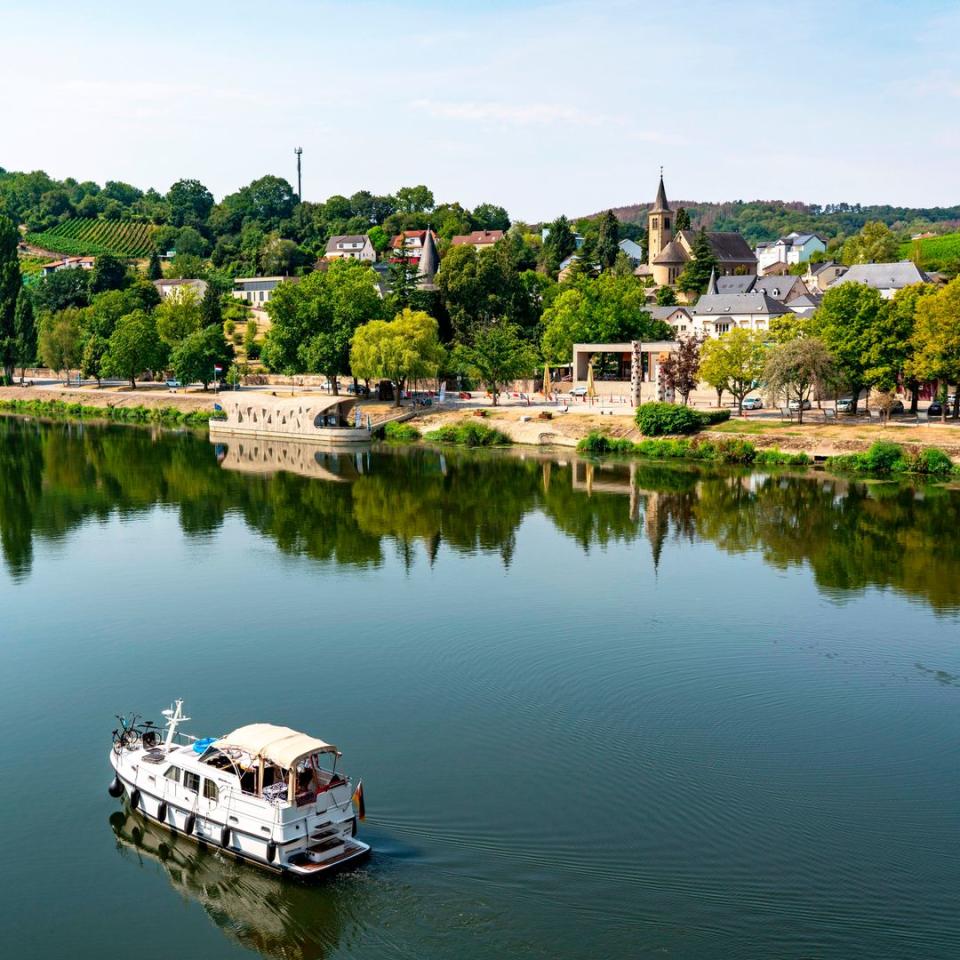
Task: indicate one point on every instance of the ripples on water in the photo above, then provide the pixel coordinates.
(599, 711)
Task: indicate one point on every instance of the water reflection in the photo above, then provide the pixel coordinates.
(258, 911)
(349, 507)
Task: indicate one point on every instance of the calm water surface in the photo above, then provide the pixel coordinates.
(598, 712)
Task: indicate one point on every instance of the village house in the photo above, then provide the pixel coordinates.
(68, 263)
(257, 291)
(782, 288)
(888, 278)
(793, 248)
(350, 246)
(409, 245)
(633, 250)
(174, 288)
(479, 239)
(819, 276)
(717, 313)
(668, 252)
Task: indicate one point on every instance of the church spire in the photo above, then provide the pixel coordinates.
(660, 204)
(712, 283)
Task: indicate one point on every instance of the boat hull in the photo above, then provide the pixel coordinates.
(242, 846)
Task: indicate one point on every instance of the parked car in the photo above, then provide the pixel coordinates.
(578, 392)
(174, 384)
(895, 407)
(359, 389)
(795, 404)
(845, 405)
(936, 409)
(752, 403)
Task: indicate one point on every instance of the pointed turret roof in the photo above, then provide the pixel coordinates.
(712, 284)
(660, 204)
(429, 259)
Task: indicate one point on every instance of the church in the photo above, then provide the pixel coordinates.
(668, 252)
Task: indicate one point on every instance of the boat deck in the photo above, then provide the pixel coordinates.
(352, 849)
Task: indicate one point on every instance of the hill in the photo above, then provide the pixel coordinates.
(82, 236)
(768, 219)
(932, 253)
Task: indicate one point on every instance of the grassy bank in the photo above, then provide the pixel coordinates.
(733, 450)
(890, 459)
(60, 410)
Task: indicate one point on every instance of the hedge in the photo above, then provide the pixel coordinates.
(657, 419)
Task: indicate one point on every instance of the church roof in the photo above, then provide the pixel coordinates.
(429, 258)
(673, 252)
(727, 247)
(660, 204)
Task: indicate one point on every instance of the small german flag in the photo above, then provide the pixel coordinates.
(358, 800)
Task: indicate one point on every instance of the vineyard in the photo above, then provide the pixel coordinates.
(934, 252)
(85, 237)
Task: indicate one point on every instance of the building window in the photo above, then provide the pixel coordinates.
(173, 773)
(654, 223)
(210, 790)
(191, 781)
(666, 223)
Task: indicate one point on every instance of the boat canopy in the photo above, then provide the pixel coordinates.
(279, 745)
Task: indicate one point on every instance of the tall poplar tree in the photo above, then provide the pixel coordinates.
(25, 331)
(10, 286)
(608, 240)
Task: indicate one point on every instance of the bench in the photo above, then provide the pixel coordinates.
(786, 414)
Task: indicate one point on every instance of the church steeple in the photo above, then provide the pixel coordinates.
(659, 223)
(712, 283)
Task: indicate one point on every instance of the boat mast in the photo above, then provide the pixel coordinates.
(174, 717)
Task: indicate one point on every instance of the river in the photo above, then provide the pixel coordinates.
(599, 710)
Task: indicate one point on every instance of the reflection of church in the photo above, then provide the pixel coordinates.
(670, 250)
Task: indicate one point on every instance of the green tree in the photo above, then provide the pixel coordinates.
(892, 343)
(25, 331)
(154, 269)
(403, 349)
(607, 309)
(499, 355)
(194, 359)
(696, 274)
(734, 362)
(10, 287)
(69, 287)
(108, 273)
(379, 238)
(250, 345)
(178, 316)
(680, 372)
(190, 202)
(314, 320)
(91, 357)
(211, 309)
(666, 297)
(681, 220)
(875, 243)
(134, 346)
(559, 244)
(414, 199)
(936, 340)
(792, 369)
(59, 341)
(489, 216)
(608, 239)
(846, 322)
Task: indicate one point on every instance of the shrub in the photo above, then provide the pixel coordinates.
(597, 444)
(400, 431)
(732, 450)
(934, 462)
(779, 458)
(57, 409)
(657, 419)
(711, 417)
(469, 434)
(883, 457)
(229, 327)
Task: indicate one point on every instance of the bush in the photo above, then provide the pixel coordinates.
(779, 458)
(469, 434)
(400, 431)
(657, 419)
(883, 457)
(597, 444)
(931, 461)
(711, 417)
(733, 450)
(58, 410)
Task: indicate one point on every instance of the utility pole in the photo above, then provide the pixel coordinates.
(299, 151)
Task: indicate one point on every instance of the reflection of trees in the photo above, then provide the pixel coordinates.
(54, 477)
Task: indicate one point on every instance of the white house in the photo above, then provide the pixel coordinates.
(351, 246)
(173, 288)
(68, 263)
(633, 250)
(257, 290)
(793, 248)
(888, 278)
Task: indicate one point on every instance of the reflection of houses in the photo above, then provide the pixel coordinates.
(320, 418)
(630, 371)
(267, 456)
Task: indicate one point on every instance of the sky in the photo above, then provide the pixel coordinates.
(542, 107)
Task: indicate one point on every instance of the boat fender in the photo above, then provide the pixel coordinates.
(225, 837)
(116, 788)
(135, 798)
(271, 852)
(136, 835)
(190, 824)
(162, 811)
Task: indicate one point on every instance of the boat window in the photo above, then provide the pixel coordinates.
(173, 773)
(210, 790)
(191, 781)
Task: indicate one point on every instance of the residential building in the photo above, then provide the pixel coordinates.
(819, 276)
(782, 288)
(409, 244)
(888, 278)
(68, 263)
(717, 313)
(257, 290)
(806, 304)
(677, 317)
(479, 239)
(633, 250)
(793, 248)
(174, 288)
(350, 246)
(668, 252)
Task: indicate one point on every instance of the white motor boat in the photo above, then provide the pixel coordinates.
(265, 794)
